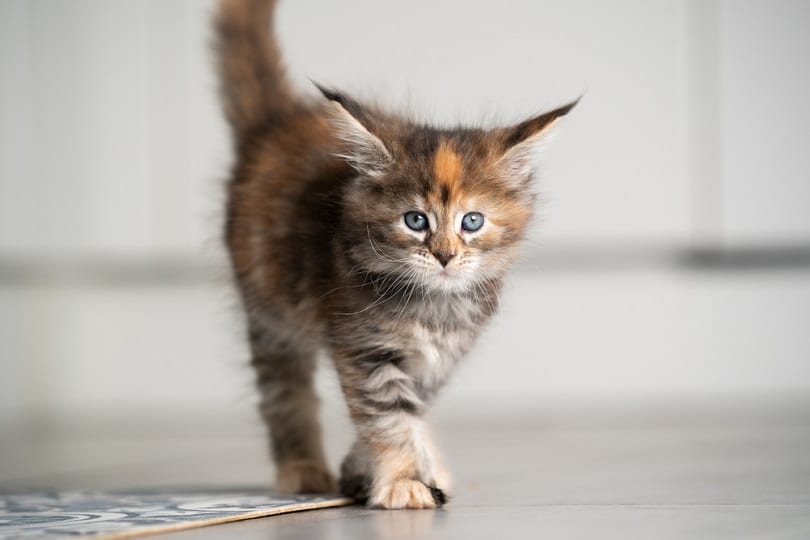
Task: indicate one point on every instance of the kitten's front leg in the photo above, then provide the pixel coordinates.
(393, 436)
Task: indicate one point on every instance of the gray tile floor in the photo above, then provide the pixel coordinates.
(642, 471)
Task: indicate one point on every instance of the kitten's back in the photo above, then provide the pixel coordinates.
(286, 179)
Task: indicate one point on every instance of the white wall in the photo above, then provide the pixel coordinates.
(176, 349)
(764, 85)
(692, 129)
(112, 143)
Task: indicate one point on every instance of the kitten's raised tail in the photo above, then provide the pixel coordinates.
(254, 87)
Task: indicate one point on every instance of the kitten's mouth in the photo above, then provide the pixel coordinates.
(446, 276)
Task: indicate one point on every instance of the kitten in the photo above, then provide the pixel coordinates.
(376, 239)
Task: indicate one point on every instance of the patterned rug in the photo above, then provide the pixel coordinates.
(115, 515)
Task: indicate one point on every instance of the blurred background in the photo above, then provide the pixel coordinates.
(671, 260)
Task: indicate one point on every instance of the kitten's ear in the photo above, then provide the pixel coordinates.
(353, 124)
(521, 143)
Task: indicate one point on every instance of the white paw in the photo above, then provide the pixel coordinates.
(405, 494)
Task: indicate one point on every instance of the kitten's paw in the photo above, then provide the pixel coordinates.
(305, 476)
(406, 494)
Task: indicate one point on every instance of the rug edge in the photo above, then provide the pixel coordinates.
(176, 527)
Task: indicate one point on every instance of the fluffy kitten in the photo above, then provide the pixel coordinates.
(376, 239)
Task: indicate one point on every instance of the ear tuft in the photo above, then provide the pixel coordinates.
(342, 99)
(362, 149)
(523, 142)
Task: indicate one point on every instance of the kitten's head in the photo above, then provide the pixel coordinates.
(441, 208)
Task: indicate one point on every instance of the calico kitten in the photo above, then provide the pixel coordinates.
(379, 240)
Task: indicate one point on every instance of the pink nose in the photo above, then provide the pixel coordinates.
(443, 257)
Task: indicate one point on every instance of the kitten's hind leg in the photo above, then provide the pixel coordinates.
(289, 408)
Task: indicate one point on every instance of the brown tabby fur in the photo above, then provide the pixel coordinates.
(324, 261)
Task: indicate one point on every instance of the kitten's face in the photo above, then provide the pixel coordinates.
(444, 209)
(444, 218)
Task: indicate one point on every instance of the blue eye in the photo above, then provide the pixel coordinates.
(472, 221)
(416, 221)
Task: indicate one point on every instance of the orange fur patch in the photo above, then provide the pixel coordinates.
(447, 168)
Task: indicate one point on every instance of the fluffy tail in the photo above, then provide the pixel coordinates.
(254, 88)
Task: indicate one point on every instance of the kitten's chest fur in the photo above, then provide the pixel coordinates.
(435, 352)
(432, 332)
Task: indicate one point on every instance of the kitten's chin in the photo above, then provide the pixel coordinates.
(448, 282)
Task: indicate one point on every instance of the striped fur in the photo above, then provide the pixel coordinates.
(325, 261)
